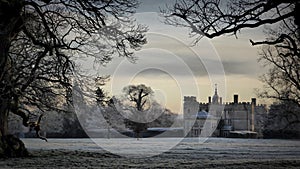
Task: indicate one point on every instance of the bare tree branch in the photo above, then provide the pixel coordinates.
(212, 18)
(40, 39)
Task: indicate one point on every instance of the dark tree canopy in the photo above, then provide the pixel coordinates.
(102, 98)
(283, 120)
(40, 39)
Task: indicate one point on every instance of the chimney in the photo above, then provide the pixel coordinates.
(209, 99)
(235, 99)
(253, 101)
(253, 104)
(221, 100)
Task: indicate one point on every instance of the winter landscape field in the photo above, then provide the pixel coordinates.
(189, 153)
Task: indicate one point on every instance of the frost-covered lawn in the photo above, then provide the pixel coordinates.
(160, 152)
(261, 148)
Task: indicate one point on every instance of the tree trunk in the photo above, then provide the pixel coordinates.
(10, 24)
(4, 89)
(4, 81)
(3, 118)
(10, 146)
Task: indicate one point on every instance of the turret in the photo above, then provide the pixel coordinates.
(215, 99)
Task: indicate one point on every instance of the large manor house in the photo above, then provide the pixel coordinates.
(214, 118)
(234, 119)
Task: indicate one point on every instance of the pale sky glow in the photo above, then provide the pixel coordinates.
(174, 68)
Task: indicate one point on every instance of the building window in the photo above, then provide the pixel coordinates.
(195, 132)
(229, 122)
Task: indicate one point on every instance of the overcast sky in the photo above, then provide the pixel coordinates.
(174, 68)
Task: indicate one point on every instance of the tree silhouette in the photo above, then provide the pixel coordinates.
(213, 18)
(282, 81)
(139, 98)
(280, 51)
(41, 39)
(283, 120)
(102, 97)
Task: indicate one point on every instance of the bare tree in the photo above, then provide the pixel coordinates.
(139, 98)
(280, 51)
(40, 39)
(138, 95)
(281, 54)
(213, 18)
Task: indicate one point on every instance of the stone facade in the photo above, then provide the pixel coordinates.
(222, 119)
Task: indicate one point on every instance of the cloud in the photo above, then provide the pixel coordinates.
(153, 5)
(169, 56)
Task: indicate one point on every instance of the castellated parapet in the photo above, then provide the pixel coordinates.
(235, 116)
